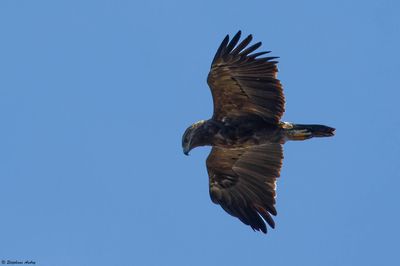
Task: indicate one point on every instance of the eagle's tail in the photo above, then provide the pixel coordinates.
(302, 132)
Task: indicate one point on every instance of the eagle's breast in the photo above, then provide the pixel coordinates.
(243, 132)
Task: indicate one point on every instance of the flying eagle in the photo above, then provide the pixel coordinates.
(245, 132)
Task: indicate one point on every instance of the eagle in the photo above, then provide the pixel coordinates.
(246, 132)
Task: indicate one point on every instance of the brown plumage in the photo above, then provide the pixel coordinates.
(245, 132)
(241, 83)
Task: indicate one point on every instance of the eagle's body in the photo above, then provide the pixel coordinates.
(240, 132)
(246, 132)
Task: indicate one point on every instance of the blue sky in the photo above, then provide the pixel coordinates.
(94, 98)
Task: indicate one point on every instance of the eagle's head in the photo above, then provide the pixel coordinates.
(194, 136)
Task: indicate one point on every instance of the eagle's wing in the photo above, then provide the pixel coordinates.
(243, 180)
(241, 83)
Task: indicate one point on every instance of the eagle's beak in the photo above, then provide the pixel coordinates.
(186, 150)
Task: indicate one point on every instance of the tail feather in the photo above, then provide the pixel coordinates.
(302, 132)
(317, 130)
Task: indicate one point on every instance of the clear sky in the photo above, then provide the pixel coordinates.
(95, 96)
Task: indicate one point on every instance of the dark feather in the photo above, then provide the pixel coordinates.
(220, 48)
(243, 83)
(233, 42)
(251, 49)
(242, 45)
(258, 54)
(243, 180)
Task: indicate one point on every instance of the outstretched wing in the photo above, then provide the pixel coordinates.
(242, 83)
(243, 181)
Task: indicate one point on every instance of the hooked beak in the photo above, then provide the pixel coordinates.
(186, 149)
